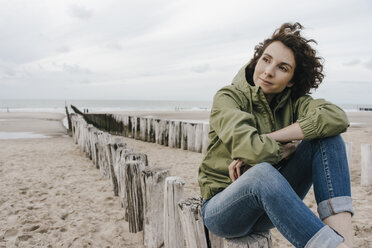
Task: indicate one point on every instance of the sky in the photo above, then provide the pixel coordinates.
(170, 49)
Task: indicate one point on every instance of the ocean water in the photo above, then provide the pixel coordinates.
(55, 105)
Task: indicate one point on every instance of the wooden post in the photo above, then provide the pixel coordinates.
(184, 136)
(198, 137)
(119, 167)
(174, 139)
(112, 148)
(192, 222)
(150, 130)
(94, 142)
(214, 240)
(254, 240)
(205, 137)
(349, 150)
(133, 170)
(153, 199)
(172, 136)
(366, 177)
(173, 193)
(191, 127)
(143, 128)
(164, 132)
(156, 123)
(103, 162)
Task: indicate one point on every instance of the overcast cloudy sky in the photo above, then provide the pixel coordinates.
(170, 49)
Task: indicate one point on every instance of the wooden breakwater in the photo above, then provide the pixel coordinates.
(153, 201)
(186, 135)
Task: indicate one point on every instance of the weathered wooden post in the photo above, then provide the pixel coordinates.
(134, 165)
(150, 130)
(173, 193)
(254, 240)
(94, 143)
(153, 180)
(349, 150)
(191, 127)
(88, 145)
(174, 138)
(143, 128)
(198, 137)
(111, 150)
(171, 136)
(366, 177)
(192, 222)
(103, 162)
(164, 127)
(184, 135)
(205, 137)
(156, 124)
(124, 119)
(137, 128)
(119, 169)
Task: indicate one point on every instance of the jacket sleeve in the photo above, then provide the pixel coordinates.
(236, 129)
(319, 118)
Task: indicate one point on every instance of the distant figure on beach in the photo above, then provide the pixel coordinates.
(269, 142)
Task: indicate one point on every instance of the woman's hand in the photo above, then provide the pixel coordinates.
(290, 148)
(235, 169)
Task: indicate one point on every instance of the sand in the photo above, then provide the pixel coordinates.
(53, 196)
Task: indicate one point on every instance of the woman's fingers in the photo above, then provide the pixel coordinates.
(234, 169)
(237, 167)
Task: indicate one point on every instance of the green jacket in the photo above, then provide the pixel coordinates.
(240, 118)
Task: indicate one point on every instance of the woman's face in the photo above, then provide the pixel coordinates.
(274, 69)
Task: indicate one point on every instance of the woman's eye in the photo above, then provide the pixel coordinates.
(283, 68)
(265, 59)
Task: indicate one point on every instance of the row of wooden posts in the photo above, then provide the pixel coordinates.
(186, 135)
(192, 136)
(152, 200)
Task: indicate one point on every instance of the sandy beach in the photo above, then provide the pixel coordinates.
(53, 196)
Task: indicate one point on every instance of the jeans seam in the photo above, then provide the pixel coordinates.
(281, 226)
(326, 170)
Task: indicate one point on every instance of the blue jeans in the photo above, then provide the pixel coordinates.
(264, 197)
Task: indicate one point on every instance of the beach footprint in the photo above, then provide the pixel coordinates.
(10, 233)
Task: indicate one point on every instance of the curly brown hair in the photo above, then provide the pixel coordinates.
(308, 72)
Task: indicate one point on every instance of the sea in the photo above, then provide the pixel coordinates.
(102, 106)
(55, 105)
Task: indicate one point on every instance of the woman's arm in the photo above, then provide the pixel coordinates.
(288, 134)
(319, 118)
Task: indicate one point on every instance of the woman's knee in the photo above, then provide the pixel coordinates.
(264, 177)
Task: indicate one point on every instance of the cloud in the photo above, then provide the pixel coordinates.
(352, 62)
(368, 64)
(114, 46)
(75, 69)
(200, 68)
(63, 49)
(80, 12)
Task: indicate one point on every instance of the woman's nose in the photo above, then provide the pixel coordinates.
(269, 71)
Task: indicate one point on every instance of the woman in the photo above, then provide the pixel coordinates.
(257, 171)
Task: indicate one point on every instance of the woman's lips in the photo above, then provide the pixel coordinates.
(266, 82)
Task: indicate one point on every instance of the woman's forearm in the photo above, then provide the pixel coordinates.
(289, 133)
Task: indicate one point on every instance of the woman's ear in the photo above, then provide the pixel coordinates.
(290, 84)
